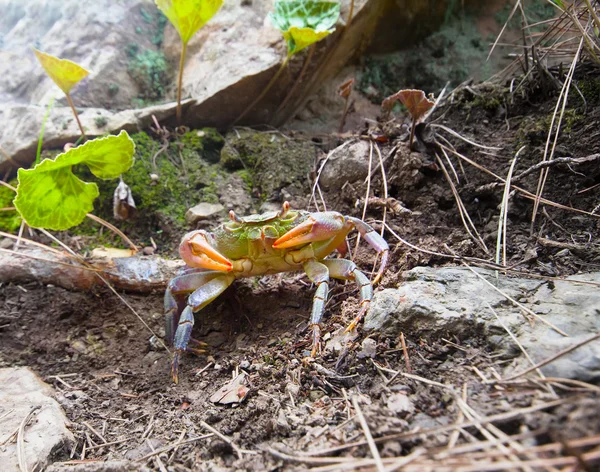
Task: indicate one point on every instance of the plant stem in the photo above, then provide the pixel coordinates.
(41, 138)
(180, 81)
(412, 134)
(343, 119)
(265, 91)
(75, 113)
(114, 229)
(311, 51)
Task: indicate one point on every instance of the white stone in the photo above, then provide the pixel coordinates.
(47, 433)
(202, 211)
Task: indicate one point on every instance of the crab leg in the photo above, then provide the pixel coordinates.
(201, 297)
(178, 287)
(346, 270)
(375, 241)
(319, 274)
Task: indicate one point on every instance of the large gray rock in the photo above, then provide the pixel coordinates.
(203, 211)
(229, 62)
(347, 163)
(452, 301)
(46, 435)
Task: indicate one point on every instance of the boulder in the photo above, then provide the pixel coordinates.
(452, 301)
(346, 163)
(46, 434)
(203, 211)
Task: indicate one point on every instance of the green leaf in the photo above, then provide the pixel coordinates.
(188, 16)
(304, 22)
(51, 196)
(63, 72)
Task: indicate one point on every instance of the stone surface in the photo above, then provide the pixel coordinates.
(346, 163)
(452, 301)
(229, 62)
(47, 433)
(203, 211)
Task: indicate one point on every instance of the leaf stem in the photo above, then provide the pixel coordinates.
(75, 113)
(42, 131)
(180, 81)
(265, 90)
(114, 229)
(311, 51)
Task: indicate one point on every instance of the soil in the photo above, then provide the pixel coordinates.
(115, 384)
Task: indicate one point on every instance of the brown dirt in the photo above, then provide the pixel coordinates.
(98, 356)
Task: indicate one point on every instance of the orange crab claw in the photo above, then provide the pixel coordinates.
(197, 252)
(315, 228)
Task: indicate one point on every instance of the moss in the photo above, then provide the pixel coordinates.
(269, 162)
(590, 89)
(150, 70)
(451, 54)
(536, 11)
(207, 142)
(246, 178)
(10, 220)
(185, 178)
(100, 121)
(534, 132)
(113, 89)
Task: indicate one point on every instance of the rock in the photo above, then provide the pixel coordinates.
(144, 449)
(273, 165)
(229, 62)
(400, 403)
(368, 348)
(347, 163)
(203, 211)
(108, 466)
(47, 433)
(453, 301)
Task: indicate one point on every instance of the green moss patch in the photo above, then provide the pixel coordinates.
(9, 219)
(269, 162)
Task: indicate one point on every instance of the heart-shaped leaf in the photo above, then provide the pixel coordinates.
(188, 16)
(65, 73)
(304, 22)
(415, 101)
(51, 196)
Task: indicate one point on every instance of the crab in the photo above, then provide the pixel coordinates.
(269, 243)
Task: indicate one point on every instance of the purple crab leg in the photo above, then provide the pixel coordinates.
(346, 270)
(319, 274)
(201, 297)
(177, 289)
(375, 241)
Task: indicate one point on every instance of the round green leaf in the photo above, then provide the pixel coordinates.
(51, 196)
(56, 200)
(304, 22)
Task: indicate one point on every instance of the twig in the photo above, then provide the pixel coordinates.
(405, 352)
(556, 161)
(94, 431)
(550, 359)
(522, 349)
(157, 458)
(237, 449)
(22, 459)
(173, 446)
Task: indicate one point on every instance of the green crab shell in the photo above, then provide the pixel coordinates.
(237, 239)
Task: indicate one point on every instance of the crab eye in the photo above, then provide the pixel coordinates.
(254, 234)
(270, 232)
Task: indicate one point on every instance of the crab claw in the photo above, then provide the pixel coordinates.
(317, 227)
(196, 250)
